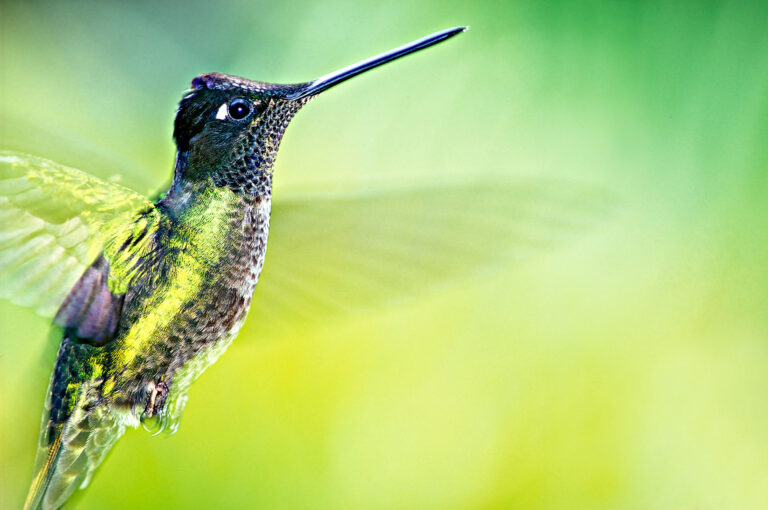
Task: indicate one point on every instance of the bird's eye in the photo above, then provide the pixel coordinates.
(239, 109)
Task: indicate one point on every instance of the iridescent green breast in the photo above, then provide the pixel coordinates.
(187, 289)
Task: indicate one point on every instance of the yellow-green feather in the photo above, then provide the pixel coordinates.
(201, 235)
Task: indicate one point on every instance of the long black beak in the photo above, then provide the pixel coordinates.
(336, 77)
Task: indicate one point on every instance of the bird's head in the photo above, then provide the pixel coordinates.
(228, 129)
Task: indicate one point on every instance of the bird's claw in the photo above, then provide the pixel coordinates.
(157, 394)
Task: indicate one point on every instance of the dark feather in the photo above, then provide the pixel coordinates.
(91, 311)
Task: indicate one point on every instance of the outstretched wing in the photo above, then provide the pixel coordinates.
(349, 253)
(53, 223)
(328, 253)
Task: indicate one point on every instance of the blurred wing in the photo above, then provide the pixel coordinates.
(53, 223)
(350, 253)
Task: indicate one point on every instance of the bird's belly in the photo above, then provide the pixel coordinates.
(176, 348)
(178, 355)
(187, 373)
(180, 359)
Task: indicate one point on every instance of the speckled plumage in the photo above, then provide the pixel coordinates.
(169, 292)
(174, 281)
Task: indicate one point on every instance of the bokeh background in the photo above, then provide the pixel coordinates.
(620, 362)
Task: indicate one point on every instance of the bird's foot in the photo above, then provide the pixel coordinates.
(157, 394)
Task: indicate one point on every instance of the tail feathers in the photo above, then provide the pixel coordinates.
(69, 459)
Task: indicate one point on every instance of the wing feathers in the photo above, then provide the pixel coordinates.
(346, 253)
(69, 459)
(55, 221)
(90, 312)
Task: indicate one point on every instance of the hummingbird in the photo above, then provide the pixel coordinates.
(170, 282)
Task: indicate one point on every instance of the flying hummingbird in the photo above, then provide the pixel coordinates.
(171, 282)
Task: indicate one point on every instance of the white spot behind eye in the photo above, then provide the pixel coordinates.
(222, 113)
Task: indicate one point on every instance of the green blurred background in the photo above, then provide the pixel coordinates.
(623, 366)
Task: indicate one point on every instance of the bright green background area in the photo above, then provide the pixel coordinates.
(623, 366)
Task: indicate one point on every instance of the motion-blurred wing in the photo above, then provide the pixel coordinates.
(53, 223)
(331, 253)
